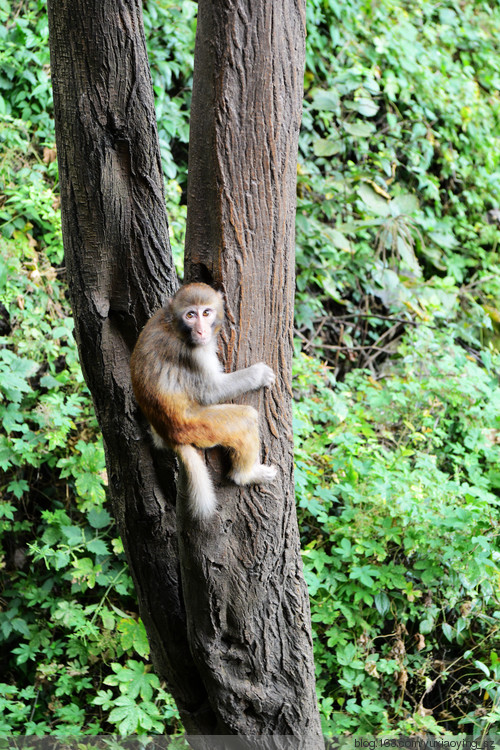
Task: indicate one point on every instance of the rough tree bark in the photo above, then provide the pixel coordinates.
(246, 601)
(234, 647)
(120, 270)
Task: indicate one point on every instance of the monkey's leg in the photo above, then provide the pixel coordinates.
(236, 428)
(245, 454)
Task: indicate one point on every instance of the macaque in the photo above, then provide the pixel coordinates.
(179, 383)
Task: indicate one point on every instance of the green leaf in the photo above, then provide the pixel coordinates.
(374, 202)
(337, 239)
(90, 486)
(18, 487)
(134, 680)
(7, 510)
(480, 665)
(448, 631)
(405, 204)
(327, 101)
(99, 518)
(3, 273)
(426, 626)
(12, 381)
(366, 106)
(108, 619)
(326, 147)
(382, 603)
(127, 716)
(98, 547)
(363, 573)
(359, 129)
(73, 535)
(24, 653)
(133, 636)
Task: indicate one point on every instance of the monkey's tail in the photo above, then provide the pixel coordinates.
(202, 500)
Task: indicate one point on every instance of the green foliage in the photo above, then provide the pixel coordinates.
(68, 622)
(398, 481)
(134, 710)
(25, 92)
(402, 114)
(398, 466)
(170, 32)
(397, 476)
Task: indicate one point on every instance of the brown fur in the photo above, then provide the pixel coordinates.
(176, 387)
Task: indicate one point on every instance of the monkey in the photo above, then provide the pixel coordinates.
(179, 385)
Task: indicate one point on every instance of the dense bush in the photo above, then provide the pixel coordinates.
(398, 502)
(398, 469)
(402, 113)
(398, 273)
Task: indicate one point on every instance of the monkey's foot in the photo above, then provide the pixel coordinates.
(259, 474)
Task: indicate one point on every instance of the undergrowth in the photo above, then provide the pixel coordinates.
(398, 481)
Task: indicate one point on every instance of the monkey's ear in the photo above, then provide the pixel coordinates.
(220, 298)
(168, 309)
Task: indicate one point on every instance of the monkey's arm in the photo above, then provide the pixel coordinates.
(225, 386)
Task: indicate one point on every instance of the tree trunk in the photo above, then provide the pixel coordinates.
(247, 623)
(245, 596)
(120, 270)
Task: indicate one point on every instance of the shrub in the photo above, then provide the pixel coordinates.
(397, 481)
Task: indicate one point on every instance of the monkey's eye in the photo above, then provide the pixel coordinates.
(190, 314)
(207, 312)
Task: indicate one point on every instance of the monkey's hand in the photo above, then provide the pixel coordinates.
(233, 384)
(264, 376)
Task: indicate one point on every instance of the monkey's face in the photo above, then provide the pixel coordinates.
(197, 312)
(199, 323)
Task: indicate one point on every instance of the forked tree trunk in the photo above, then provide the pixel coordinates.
(234, 645)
